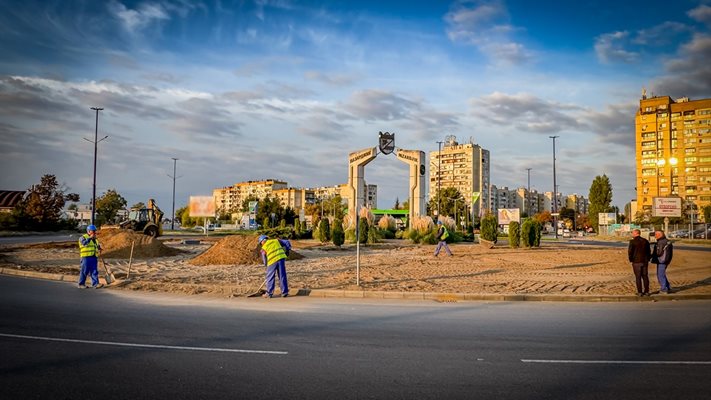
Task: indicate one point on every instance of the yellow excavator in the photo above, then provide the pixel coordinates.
(147, 220)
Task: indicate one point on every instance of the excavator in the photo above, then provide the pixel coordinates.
(147, 220)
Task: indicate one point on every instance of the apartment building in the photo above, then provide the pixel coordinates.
(230, 198)
(464, 167)
(578, 203)
(673, 150)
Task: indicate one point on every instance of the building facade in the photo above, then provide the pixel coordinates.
(466, 168)
(673, 151)
(229, 199)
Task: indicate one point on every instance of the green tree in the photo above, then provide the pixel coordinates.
(337, 235)
(324, 231)
(452, 203)
(528, 233)
(42, 206)
(706, 212)
(396, 206)
(108, 206)
(600, 198)
(489, 228)
(363, 230)
(514, 234)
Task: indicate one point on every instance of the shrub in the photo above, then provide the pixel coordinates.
(324, 231)
(350, 235)
(372, 235)
(337, 235)
(489, 228)
(514, 234)
(386, 233)
(528, 233)
(297, 228)
(363, 230)
(538, 228)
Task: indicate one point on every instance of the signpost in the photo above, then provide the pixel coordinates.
(666, 207)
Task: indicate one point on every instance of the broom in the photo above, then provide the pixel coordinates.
(110, 278)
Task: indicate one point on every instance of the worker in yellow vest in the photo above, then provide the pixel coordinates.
(442, 235)
(274, 254)
(89, 249)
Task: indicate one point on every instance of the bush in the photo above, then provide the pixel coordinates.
(297, 228)
(338, 236)
(386, 234)
(363, 230)
(372, 235)
(538, 229)
(489, 228)
(350, 235)
(528, 233)
(514, 234)
(324, 231)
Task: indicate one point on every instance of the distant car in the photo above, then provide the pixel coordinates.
(681, 233)
(566, 233)
(702, 233)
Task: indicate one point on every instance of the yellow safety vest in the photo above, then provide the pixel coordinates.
(272, 248)
(90, 249)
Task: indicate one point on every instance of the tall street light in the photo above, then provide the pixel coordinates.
(555, 193)
(172, 219)
(439, 177)
(528, 193)
(96, 142)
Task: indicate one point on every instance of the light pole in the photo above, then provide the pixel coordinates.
(528, 192)
(555, 193)
(172, 219)
(439, 176)
(96, 143)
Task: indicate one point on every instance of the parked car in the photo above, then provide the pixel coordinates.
(702, 233)
(681, 233)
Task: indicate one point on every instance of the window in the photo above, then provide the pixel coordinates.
(649, 135)
(662, 125)
(690, 169)
(646, 145)
(648, 171)
(704, 112)
(649, 161)
(690, 160)
(705, 159)
(644, 127)
(690, 151)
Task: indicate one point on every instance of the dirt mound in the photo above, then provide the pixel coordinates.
(235, 249)
(116, 243)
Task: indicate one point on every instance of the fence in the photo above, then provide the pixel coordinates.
(674, 231)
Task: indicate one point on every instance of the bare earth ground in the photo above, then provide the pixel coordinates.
(391, 266)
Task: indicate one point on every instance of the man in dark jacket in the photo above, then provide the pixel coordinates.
(639, 255)
(662, 256)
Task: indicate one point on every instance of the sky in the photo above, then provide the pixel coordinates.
(251, 90)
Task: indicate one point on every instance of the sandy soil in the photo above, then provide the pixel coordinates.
(391, 266)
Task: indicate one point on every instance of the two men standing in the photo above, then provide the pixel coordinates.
(639, 255)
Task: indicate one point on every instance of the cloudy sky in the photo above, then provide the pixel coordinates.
(247, 90)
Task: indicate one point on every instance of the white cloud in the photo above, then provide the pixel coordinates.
(701, 13)
(134, 20)
(610, 47)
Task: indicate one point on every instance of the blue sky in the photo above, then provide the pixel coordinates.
(282, 89)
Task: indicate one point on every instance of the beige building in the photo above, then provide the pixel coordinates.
(230, 198)
(464, 167)
(673, 150)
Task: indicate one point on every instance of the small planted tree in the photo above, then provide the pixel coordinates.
(324, 231)
(528, 233)
(363, 229)
(337, 234)
(514, 234)
(489, 228)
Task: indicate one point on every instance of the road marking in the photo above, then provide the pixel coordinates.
(615, 362)
(146, 346)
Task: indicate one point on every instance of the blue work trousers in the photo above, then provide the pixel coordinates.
(89, 266)
(662, 278)
(440, 245)
(278, 267)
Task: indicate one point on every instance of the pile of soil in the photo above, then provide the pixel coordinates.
(116, 243)
(235, 250)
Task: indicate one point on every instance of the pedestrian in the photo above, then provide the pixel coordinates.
(639, 255)
(89, 249)
(662, 256)
(442, 235)
(274, 254)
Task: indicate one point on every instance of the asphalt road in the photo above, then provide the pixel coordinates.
(58, 341)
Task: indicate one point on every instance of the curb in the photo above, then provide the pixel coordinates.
(434, 296)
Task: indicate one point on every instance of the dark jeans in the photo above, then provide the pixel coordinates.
(641, 275)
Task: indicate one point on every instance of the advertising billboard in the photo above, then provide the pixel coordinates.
(508, 215)
(606, 218)
(666, 207)
(202, 206)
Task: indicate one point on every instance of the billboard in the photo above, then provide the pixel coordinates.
(606, 218)
(666, 207)
(509, 215)
(202, 206)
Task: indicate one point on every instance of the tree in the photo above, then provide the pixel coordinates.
(324, 231)
(42, 206)
(514, 234)
(706, 210)
(108, 206)
(489, 228)
(452, 203)
(397, 204)
(337, 235)
(600, 198)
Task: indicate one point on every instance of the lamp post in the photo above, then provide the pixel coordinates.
(439, 176)
(172, 219)
(555, 193)
(660, 164)
(528, 192)
(96, 143)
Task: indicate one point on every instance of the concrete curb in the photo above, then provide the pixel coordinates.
(434, 296)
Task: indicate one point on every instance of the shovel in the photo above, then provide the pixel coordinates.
(110, 278)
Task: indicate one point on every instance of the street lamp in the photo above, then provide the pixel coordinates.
(439, 176)
(528, 192)
(555, 193)
(96, 142)
(172, 219)
(660, 164)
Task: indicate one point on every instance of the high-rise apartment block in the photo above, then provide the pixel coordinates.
(464, 167)
(673, 150)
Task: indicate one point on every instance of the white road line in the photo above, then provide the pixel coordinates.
(147, 346)
(615, 362)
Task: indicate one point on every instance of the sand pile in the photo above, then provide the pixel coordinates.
(116, 243)
(235, 249)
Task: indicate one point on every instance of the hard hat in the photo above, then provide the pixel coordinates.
(91, 228)
(261, 238)
(439, 222)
